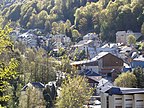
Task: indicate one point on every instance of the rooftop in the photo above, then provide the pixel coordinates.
(121, 90)
(97, 57)
(100, 55)
(89, 73)
(140, 58)
(82, 43)
(34, 84)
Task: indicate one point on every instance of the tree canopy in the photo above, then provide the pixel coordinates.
(74, 94)
(7, 69)
(127, 79)
(83, 15)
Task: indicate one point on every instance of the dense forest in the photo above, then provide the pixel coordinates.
(77, 17)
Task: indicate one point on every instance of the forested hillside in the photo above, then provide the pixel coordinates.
(77, 17)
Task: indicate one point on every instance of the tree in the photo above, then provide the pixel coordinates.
(83, 25)
(127, 79)
(138, 72)
(50, 94)
(131, 39)
(55, 28)
(75, 93)
(37, 66)
(75, 34)
(7, 70)
(65, 64)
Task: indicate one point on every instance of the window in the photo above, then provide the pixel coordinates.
(128, 100)
(118, 107)
(118, 98)
(140, 106)
(139, 100)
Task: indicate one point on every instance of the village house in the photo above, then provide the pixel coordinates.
(109, 47)
(35, 91)
(127, 53)
(104, 63)
(28, 38)
(88, 44)
(116, 97)
(92, 77)
(83, 45)
(34, 85)
(90, 36)
(138, 62)
(122, 36)
(102, 85)
(60, 40)
(39, 87)
(94, 37)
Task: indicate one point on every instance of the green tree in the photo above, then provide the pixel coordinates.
(131, 39)
(55, 28)
(7, 70)
(127, 79)
(74, 94)
(14, 14)
(138, 72)
(37, 66)
(50, 95)
(75, 34)
(65, 64)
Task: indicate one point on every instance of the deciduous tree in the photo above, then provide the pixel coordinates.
(74, 94)
(138, 72)
(127, 79)
(131, 40)
(7, 70)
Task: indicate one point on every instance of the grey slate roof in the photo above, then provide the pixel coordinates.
(34, 84)
(140, 58)
(121, 91)
(97, 57)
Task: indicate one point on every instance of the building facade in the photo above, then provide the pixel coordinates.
(116, 97)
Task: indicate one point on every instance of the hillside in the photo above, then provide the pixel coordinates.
(77, 17)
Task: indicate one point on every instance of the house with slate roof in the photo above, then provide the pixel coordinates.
(122, 36)
(117, 97)
(105, 63)
(32, 90)
(92, 77)
(109, 47)
(103, 84)
(36, 85)
(138, 62)
(39, 87)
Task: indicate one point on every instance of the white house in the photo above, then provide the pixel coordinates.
(87, 46)
(122, 36)
(115, 97)
(102, 85)
(60, 40)
(94, 37)
(110, 47)
(90, 36)
(29, 39)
